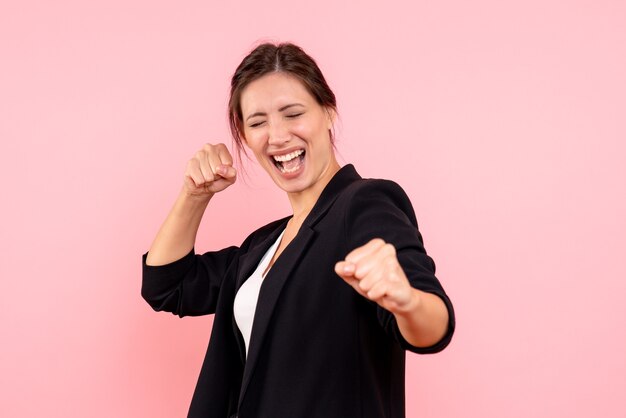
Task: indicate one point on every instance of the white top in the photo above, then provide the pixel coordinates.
(248, 294)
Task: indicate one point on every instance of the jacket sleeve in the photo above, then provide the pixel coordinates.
(381, 209)
(189, 286)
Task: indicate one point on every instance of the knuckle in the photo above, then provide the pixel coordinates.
(350, 258)
(191, 164)
(392, 276)
(389, 248)
(377, 241)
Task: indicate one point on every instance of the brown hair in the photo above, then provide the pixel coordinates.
(268, 58)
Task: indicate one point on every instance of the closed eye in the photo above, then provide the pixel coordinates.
(294, 115)
(256, 124)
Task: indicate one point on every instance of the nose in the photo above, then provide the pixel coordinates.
(278, 133)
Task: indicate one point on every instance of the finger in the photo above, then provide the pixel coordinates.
(215, 163)
(204, 164)
(223, 154)
(193, 171)
(373, 260)
(378, 272)
(224, 177)
(398, 293)
(189, 183)
(378, 291)
(359, 253)
(347, 277)
(398, 298)
(227, 172)
(344, 269)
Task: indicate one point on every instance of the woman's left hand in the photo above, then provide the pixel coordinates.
(374, 272)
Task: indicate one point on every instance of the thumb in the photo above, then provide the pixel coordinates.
(345, 269)
(227, 171)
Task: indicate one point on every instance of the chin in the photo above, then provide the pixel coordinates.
(292, 186)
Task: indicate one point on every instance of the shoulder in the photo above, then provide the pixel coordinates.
(374, 186)
(369, 193)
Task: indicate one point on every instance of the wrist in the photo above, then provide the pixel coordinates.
(187, 203)
(194, 199)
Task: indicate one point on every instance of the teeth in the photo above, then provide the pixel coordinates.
(286, 170)
(288, 157)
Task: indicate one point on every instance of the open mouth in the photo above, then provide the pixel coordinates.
(289, 163)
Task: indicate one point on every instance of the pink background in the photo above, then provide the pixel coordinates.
(504, 122)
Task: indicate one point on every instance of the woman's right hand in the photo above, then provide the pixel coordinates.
(209, 171)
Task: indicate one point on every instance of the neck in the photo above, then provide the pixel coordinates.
(302, 202)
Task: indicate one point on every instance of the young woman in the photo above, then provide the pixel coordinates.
(313, 312)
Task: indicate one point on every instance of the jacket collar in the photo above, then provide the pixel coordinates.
(281, 270)
(342, 179)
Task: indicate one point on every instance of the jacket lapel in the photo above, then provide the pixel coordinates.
(282, 269)
(247, 264)
(249, 261)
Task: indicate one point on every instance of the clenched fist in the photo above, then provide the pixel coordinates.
(210, 171)
(374, 272)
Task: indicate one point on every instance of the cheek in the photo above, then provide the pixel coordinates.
(300, 129)
(307, 129)
(254, 140)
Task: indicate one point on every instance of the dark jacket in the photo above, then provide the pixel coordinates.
(318, 348)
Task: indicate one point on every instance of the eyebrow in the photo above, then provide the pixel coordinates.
(282, 109)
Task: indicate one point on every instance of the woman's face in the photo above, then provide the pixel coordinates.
(288, 132)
